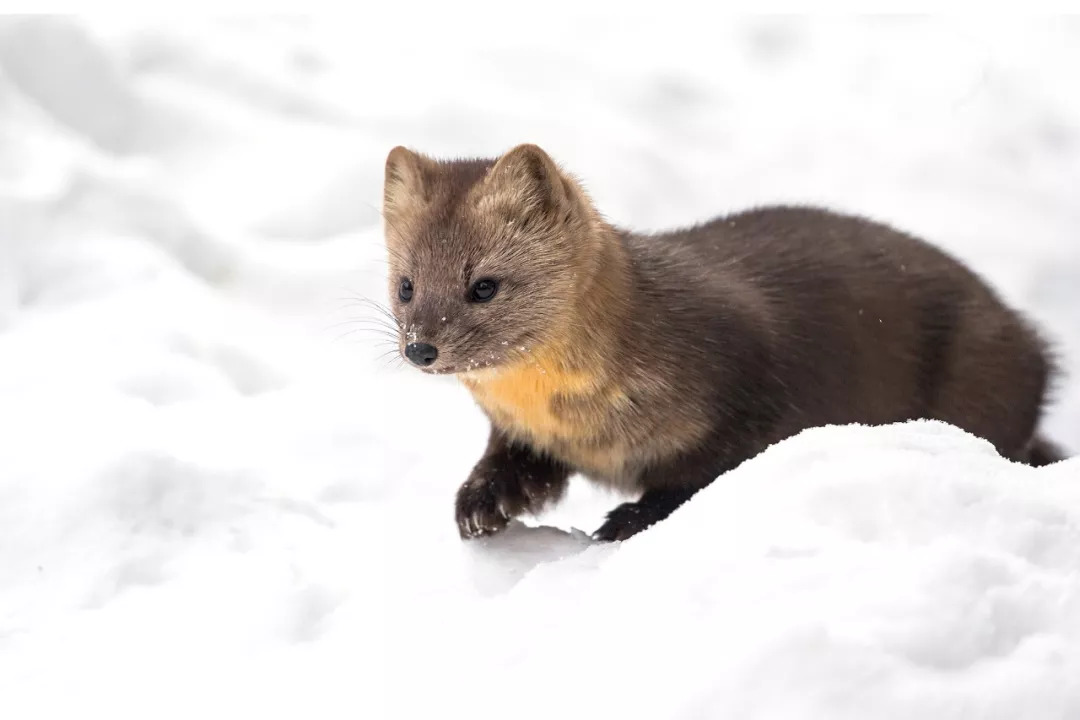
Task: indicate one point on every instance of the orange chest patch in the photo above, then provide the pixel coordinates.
(564, 411)
(522, 397)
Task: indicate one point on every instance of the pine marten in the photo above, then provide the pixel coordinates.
(655, 363)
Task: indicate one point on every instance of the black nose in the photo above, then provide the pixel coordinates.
(421, 353)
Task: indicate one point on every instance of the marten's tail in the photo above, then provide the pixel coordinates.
(1043, 452)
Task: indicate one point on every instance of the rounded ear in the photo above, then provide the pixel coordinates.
(527, 179)
(406, 178)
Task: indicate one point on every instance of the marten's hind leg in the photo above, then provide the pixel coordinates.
(1041, 451)
(995, 382)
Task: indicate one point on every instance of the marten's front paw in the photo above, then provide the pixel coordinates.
(482, 507)
(624, 522)
(499, 490)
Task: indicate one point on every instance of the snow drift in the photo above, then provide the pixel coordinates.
(848, 572)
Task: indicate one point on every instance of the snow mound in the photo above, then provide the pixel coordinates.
(849, 572)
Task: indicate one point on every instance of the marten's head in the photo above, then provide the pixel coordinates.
(487, 257)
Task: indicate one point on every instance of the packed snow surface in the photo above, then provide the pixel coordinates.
(218, 500)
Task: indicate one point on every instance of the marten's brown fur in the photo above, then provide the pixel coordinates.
(654, 363)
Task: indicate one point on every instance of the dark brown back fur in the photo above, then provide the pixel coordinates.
(833, 319)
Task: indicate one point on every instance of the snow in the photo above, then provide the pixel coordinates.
(217, 499)
(945, 582)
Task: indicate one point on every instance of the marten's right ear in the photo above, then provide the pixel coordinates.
(406, 179)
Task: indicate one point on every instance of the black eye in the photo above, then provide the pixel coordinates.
(405, 291)
(483, 290)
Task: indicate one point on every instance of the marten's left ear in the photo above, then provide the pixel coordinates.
(526, 182)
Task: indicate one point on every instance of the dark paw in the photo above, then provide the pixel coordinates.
(623, 522)
(480, 510)
(631, 518)
(503, 487)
